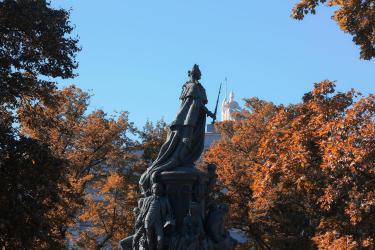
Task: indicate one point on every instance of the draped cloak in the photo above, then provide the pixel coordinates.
(185, 141)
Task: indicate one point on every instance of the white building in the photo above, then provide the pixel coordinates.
(228, 108)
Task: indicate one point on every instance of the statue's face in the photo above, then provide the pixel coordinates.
(197, 75)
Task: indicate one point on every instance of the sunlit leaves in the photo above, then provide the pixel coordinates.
(303, 175)
(100, 160)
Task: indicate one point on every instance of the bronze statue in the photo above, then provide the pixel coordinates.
(185, 140)
(172, 213)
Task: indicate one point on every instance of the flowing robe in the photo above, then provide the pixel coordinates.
(185, 141)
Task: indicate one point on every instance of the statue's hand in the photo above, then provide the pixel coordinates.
(212, 115)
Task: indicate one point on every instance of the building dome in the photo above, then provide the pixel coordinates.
(229, 107)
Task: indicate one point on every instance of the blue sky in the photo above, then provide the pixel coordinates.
(135, 54)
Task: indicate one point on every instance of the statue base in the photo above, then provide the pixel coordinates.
(179, 217)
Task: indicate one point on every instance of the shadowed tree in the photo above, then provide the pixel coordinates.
(29, 193)
(35, 47)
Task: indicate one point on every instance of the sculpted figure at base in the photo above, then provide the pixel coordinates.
(192, 235)
(154, 216)
(215, 227)
(185, 141)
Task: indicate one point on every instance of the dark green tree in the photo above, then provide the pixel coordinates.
(35, 48)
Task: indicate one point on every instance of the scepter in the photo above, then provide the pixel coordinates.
(217, 102)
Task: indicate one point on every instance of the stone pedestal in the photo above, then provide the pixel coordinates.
(180, 215)
(179, 185)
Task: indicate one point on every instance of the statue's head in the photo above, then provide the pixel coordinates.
(157, 189)
(195, 73)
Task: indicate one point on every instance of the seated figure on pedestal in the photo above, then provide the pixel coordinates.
(185, 140)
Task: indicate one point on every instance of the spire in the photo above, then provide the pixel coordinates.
(229, 107)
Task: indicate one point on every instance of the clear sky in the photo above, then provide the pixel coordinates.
(135, 54)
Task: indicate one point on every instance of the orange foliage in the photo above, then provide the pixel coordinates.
(302, 176)
(101, 186)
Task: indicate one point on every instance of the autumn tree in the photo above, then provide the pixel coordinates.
(119, 192)
(353, 16)
(235, 155)
(100, 159)
(307, 173)
(35, 48)
(108, 213)
(63, 167)
(104, 163)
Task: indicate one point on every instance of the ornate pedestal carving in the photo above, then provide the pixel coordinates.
(188, 224)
